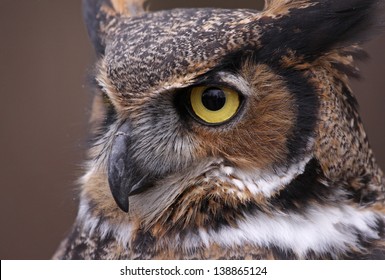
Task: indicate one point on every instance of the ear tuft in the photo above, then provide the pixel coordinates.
(311, 27)
(364, 19)
(99, 14)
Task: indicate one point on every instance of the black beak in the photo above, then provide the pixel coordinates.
(125, 176)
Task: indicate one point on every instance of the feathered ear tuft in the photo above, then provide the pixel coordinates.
(311, 27)
(101, 16)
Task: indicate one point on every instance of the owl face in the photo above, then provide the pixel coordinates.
(189, 97)
(229, 134)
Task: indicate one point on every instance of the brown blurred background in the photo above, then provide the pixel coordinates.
(44, 59)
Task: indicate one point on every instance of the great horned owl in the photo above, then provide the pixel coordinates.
(229, 134)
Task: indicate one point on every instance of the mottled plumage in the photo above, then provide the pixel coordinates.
(286, 173)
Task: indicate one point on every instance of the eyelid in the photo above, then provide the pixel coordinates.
(228, 80)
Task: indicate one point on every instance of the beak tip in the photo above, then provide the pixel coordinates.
(124, 209)
(119, 193)
(123, 204)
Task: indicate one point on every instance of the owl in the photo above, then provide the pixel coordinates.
(229, 134)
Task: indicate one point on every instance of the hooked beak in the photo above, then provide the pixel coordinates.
(125, 177)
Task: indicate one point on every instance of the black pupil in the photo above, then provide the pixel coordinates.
(213, 99)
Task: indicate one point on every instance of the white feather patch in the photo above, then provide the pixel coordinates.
(321, 230)
(258, 182)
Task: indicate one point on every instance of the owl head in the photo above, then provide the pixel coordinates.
(207, 110)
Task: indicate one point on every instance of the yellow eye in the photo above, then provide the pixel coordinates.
(214, 105)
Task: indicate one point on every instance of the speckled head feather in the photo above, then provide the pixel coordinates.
(173, 47)
(288, 173)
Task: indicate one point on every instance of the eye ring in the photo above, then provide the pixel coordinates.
(214, 105)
